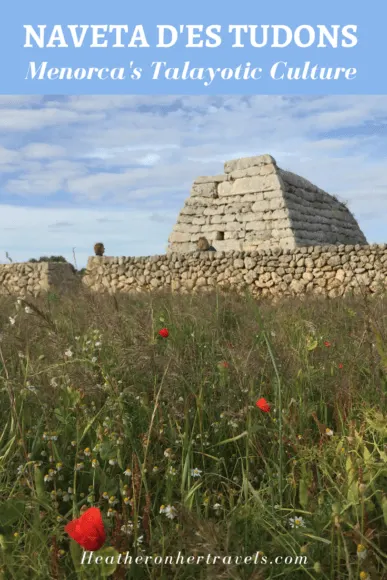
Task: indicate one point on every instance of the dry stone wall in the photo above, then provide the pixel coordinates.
(34, 279)
(276, 234)
(330, 271)
(256, 205)
(324, 270)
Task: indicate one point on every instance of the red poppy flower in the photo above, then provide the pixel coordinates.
(223, 364)
(263, 405)
(327, 343)
(340, 365)
(164, 332)
(88, 530)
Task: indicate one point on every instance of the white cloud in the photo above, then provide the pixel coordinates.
(45, 178)
(14, 101)
(119, 152)
(143, 152)
(36, 232)
(149, 160)
(24, 119)
(42, 151)
(8, 156)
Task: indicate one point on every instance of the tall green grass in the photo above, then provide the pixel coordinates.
(97, 409)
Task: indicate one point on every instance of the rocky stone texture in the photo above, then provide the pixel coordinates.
(331, 271)
(61, 277)
(34, 279)
(255, 205)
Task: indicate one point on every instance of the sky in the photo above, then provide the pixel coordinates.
(76, 170)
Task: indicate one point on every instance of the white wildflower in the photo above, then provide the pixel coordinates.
(361, 552)
(196, 472)
(139, 541)
(217, 509)
(297, 522)
(169, 511)
(68, 495)
(127, 528)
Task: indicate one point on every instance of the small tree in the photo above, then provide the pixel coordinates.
(49, 259)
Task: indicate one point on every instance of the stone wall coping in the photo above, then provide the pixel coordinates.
(238, 254)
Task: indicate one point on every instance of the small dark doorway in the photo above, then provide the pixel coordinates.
(220, 235)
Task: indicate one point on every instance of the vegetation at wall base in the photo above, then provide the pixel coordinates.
(145, 406)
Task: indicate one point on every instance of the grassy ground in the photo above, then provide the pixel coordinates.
(97, 409)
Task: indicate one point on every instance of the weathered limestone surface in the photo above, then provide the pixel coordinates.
(34, 279)
(256, 205)
(331, 271)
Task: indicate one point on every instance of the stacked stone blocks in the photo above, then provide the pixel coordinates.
(329, 271)
(36, 278)
(255, 205)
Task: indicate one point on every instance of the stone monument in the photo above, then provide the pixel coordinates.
(256, 205)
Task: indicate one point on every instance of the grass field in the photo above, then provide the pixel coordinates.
(163, 434)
